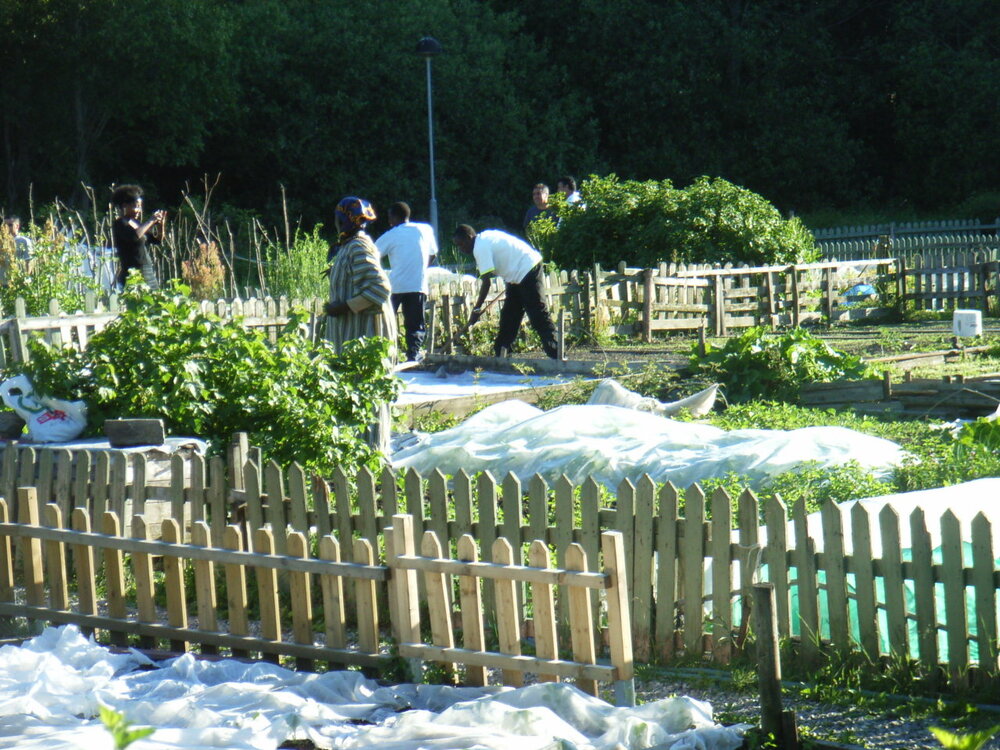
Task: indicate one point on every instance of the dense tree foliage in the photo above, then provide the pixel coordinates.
(812, 104)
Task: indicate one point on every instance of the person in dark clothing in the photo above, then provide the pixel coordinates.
(520, 266)
(130, 235)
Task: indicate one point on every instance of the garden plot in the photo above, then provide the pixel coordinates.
(52, 687)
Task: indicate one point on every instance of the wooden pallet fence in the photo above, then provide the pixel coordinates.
(948, 397)
(574, 583)
(80, 553)
(950, 281)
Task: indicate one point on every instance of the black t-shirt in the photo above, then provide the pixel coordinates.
(534, 212)
(130, 246)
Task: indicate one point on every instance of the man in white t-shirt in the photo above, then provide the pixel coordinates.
(520, 266)
(409, 246)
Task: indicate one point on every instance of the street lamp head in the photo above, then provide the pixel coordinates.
(429, 46)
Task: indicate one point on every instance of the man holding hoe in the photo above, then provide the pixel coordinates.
(520, 266)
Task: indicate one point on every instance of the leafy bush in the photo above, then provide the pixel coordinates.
(643, 223)
(757, 365)
(165, 358)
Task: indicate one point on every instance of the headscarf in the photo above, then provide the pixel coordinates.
(354, 214)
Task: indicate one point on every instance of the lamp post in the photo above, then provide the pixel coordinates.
(428, 47)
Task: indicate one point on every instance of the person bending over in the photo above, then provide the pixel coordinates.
(520, 266)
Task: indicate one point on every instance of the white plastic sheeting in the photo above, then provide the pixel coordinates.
(51, 688)
(611, 443)
(420, 386)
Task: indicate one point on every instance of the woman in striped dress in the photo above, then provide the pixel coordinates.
(359, 303)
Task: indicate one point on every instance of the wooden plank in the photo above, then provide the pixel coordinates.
(750, 554)
(403, 586)
(507, 615)
(204, 584)
(298, 516)
(367, 506)
(117, 486)
(99, 490)
(321, 505)
(139, 484)
(177, 499)
(267, 591)
(581, 626)
(807, 586)
(693, 552)
(892, 577)
(332, 587)
(923, 591)
(562, 538)
(437, 491)
(642, 583)
(62, 486)
(236, 588)
(254, 503)
(625, 523)
(86, 578)
(590, 526)
(836, 575)
(983, 574)
(366, 600)
(956, 621)
(173, 568)
(142, 569)
(473, 637)
(114, 578)
(862, 564)
(31, 549)
(6, 556)
(486, 530)
(722, 577)
(462, 499)
(666, 571)
(619, 627)
(438, 588)
(55, 561)
(216, 496)
(543, 608)
(301, 594)
(196, 493)
(274, 485)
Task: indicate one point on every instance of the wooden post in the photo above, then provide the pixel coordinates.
(449, 346)
(648, 291)
(828, 297)
(886, 385)
(562, 336)
(768, 661)
(796, 311)
(718, 307)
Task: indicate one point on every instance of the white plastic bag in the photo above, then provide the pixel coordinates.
(49, 419)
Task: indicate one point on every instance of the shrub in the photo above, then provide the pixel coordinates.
(643, 223)
(756, 365)
(203, 272)
(165, 358)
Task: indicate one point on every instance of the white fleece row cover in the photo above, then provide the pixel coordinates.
(611, 443)
(51, 688)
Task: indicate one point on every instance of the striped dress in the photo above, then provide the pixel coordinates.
(358, 279)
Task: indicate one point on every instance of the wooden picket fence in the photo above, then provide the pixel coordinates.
(905, 246)
(42, 560)
(689, 574)
(626, 301)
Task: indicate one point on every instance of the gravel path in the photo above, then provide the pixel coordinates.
(850, 725)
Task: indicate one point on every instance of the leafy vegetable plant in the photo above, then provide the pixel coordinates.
(163, 357)
(757, 365)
